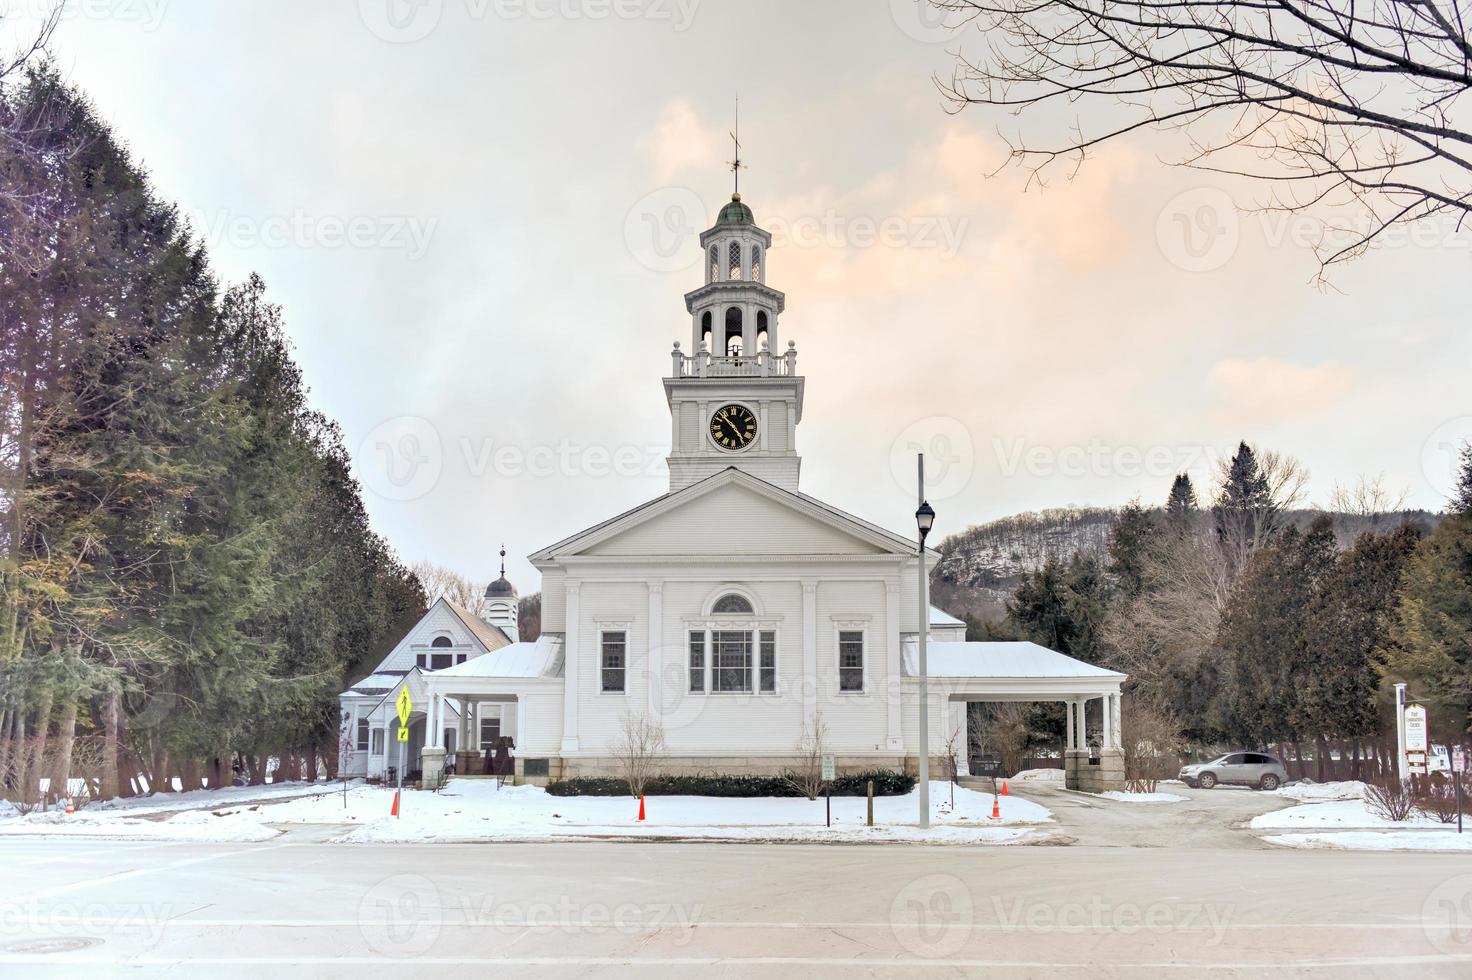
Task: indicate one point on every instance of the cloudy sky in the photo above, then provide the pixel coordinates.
(480, 217)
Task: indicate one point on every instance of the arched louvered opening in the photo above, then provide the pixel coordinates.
(734, 340)
(763, 338)
(705, 329)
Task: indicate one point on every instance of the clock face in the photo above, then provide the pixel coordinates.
(733, 427)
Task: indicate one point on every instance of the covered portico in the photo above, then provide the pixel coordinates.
(962, 672)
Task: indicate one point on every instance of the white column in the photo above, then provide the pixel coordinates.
(572, 667)
(520, 723)
(435, 738)
(1106, 707)
(656, 650)
(894, 686)
(1069, 728)
(809, 651)
(1119, 721)
(960, 719)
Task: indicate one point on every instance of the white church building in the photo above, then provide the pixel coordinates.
(734, 611)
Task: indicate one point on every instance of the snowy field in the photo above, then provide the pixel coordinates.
(1338, 814)
(476, 810)
(1379, 840)
(1339, 819)
(1306, 792)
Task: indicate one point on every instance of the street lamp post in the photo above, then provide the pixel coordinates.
(924, 521)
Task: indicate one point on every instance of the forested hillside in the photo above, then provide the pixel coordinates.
(187, 572)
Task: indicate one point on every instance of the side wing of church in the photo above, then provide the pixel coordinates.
(735, 612)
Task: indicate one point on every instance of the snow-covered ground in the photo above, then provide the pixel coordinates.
(1039, 776)
(473, 810)
(1308, 792)
(477, 810)
(1125, 797)
(1446, 839)
(1335, 814)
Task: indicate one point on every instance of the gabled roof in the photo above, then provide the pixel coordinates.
(487, 636)
(956, 658)
(811, 507)
(490, 637)
(539, 658)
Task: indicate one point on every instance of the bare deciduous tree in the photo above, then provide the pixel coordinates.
(1369, 498)
(439, 581)
(807, 775)
(1336, 105)
(638, 750)
(1151, 746)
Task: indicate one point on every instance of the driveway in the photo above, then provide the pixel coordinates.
(1212, 818)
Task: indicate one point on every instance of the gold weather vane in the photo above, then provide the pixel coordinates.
(736, 165)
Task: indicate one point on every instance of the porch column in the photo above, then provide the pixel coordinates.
(1118, 700)
(1106, 705)
(1068, 727)
(960, 720)
(572, 666)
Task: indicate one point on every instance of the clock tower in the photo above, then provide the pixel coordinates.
(735, 396)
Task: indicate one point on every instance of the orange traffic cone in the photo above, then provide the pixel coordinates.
(395, 811)
(70, 806)
(1004, 788)
(641, 808)
(996, 810)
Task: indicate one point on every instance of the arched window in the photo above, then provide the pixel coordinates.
(756, 263)
(733, 261)
(442, 641)
(732, 603)
(734, 340)
(763, 340)
(705, 329)
(715, 264)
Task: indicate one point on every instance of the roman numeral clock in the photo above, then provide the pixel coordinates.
(735, 395)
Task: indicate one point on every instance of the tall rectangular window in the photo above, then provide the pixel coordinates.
(731, 661)
(490, 730)
(769, 662)
(851, 660)
(440, 661)
(362, 734)
(378, 741)
(697, 661)
(613, 662)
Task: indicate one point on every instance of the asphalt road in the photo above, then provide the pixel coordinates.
(300, 907)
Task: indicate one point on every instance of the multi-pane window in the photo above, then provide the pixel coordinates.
(733, 261)
(731, 661)
(851, 660)
(614, 644)
(697, 661)
(362, 734)
(378, 741)
(715, 264)
(490, 730)
(756, 263)
(768, 680)
(440, 661)
(732, 603)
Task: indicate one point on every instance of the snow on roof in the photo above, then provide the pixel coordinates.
(377, 683)
(542, 658)
(939, 617)
(1009, 659)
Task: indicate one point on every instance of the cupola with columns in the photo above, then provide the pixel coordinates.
(735, 396)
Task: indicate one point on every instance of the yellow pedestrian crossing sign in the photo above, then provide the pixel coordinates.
(405, 705)
(403, 734)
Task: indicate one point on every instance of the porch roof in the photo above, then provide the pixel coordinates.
(542, 658)
(1012, 660)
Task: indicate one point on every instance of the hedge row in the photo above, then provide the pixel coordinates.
(886, 783)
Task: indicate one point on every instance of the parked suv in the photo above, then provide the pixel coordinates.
(1256, 769)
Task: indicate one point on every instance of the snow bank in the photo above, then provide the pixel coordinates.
(1124, 797)
(1337, 813)
(1039, 776)
(1309, 792)
(1378, 840)
(195, 826)
(214, 799)
(468, 810)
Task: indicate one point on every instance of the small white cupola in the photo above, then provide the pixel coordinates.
(502, 605)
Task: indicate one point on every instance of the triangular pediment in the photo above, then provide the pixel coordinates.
(731, 513)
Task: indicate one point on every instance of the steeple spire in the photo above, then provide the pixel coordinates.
(503, 559)
(735, 164)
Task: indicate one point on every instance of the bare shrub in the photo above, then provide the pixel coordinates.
(1151, 747)
(637, 750)
(1390, 798)
(1436, 798)
(807, 775)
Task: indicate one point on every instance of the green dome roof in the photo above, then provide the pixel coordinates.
(735, 213)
